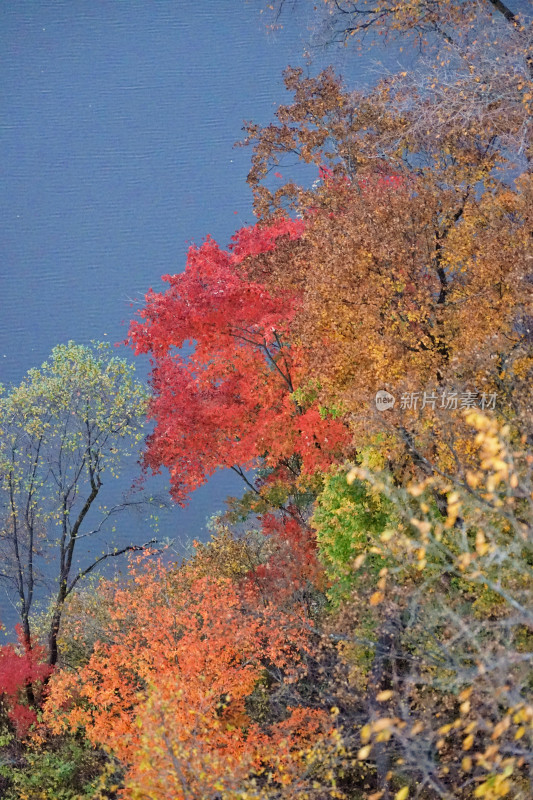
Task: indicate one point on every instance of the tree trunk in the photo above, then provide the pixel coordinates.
(381, 674)
(55, 624)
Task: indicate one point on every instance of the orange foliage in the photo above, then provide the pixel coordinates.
(413, 270)
(167, 695)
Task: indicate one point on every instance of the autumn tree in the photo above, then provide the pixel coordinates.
(232, 399)
(64, 430)
(169, 692)
(278, 556)
(470, 63)
(450, 704)
(21, 668)
(413, 268)
(425, 23)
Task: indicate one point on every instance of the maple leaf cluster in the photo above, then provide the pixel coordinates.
(22, 668)
(228, 400)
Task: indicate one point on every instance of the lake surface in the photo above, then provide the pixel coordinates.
(116, 145)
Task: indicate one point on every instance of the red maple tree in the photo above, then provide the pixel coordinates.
(21, 666)
(229, 398)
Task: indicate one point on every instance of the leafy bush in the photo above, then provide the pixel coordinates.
(349, 519)
(62, 768)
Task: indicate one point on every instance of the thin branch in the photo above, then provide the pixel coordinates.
(111, 554)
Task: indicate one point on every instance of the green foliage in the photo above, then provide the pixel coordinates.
(64, 431)
(335, 412)
(83, 400)
(306, 394)
(63, 768)
(348, 520)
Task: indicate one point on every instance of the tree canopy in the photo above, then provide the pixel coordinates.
(64, 430)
